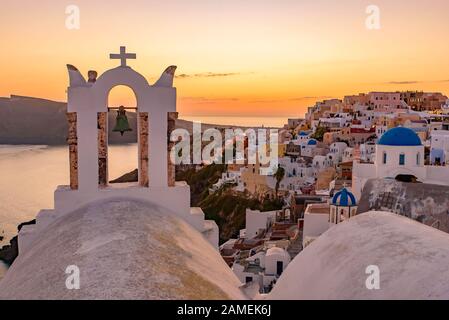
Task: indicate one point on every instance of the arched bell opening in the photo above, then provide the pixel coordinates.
(121, 146)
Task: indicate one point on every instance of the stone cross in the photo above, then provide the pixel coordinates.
(123, 56)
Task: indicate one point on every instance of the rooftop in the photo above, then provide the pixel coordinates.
(317, 208)
(344, 198)
(399, 136)
(125, 249)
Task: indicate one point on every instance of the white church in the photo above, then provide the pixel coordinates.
(399, 153)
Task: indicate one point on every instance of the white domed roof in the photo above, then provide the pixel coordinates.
(125, 249)
(412, 259)
(277, 251)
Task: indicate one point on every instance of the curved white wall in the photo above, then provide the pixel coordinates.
(392, 167)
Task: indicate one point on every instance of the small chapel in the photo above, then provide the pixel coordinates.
(87, 110)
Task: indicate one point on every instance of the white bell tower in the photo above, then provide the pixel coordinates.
(87, 109)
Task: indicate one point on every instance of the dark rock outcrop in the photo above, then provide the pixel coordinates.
(10, 252)
(132, 176)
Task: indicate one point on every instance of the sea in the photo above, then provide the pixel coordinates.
(29, 176)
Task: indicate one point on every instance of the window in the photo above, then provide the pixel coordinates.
(402, 159)
(384, 158)
(418, 159)
(248, 279)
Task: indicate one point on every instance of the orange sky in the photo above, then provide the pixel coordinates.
(249, 58)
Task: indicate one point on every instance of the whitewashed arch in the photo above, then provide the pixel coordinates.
(119, 77)
(406, 171)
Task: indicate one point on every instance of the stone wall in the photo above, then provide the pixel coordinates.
(171, 118)
(72, 141)
(143, 149)
(102, 149)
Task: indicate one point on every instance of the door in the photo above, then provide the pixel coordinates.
(279, 267)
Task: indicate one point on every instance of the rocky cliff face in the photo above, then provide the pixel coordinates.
(426, 203)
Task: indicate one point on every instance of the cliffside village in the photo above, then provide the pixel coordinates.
(325, 160)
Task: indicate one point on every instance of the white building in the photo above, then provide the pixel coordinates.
(319, 163)
(302, 136)
(227, 178)
(257, 222)
(296, 174)
(348, 155)
(439, 152)
(316, 222)
(308, 147)
(263, 268)
(367, 152)
(276, 261)
(338, 121)
(337, 149)
(399, 152)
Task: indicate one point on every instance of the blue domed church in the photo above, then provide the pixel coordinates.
(342, 207)
(399, 155)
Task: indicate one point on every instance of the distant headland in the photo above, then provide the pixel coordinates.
(30, 120)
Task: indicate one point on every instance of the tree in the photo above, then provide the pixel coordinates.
(279, 175)
(319, 133)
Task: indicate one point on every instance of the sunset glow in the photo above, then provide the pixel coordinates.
(234, 58)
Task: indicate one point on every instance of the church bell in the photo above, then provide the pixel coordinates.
(122, 124)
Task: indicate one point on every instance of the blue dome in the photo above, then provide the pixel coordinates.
(344, 198)
(302, 133)
(399, 136)
(312, 142)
